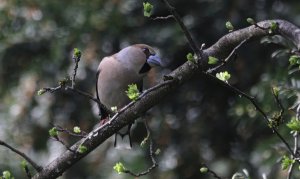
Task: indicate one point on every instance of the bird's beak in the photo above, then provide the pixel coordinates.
(154, 60)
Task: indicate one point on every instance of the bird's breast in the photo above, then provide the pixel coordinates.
(113, 84)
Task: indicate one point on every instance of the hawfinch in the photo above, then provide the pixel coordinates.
(116, 72)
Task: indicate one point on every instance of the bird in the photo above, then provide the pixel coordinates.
(128, 66)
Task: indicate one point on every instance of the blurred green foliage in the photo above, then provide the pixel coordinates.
(201, 122)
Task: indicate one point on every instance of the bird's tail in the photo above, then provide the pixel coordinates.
(123, 138)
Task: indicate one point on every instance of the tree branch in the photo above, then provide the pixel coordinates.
(221, 49)
(29, 160)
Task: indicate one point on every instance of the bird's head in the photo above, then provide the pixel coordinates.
(140, 57)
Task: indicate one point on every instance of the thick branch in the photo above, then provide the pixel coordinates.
(224, 46)
(220, 49)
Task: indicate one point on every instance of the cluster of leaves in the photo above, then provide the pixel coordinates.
(6, 175)
(286, 162)
(147, 9)
(223, 76)
(133, 92)
(119, 168)
(295, 60)
(212, 60)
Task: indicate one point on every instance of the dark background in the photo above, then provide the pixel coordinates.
(201, 122)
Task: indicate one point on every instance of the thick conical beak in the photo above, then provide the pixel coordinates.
(154, 60)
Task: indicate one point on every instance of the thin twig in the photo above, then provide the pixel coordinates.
(52, 90)
(253, 101)
(278, 102)
(162, 18)
(76, 59)
(56, 138)
(184, 29)
(151, 153)
(29, 160)
(296, 136)
(214, 174)
(82, 134)
(85, 94)
(28, 174)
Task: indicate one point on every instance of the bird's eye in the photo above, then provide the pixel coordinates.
(146, 52)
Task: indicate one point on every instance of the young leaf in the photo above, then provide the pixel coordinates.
(273, 27)
(286, 162)
(119, 168)
(229, 26)
(41, 91)
(223, 76)
(114, 109)
(190, 57)
(212, 60)
(203, 170)
(77, 53)
(142, 144)
(294, 59)
(294, 124)
(275, 90)
(133, 92)
(76, 130)
(147, 9)
(53, 132)
(251, 21)
(82, 149)
(238, 175)
(7, 175)
(157, 152)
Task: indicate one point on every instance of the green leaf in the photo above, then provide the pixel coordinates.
(157, 152)
(7, 175)
(190, 57)
(223, 76)
(143, 143)
(229, 26)
(82, 149)
(147, 9)
(275, 90)
(203, 169)
(294, 124)
(64, 81)
(133, 92)
(273, 27)
(119, 168)
(212, 60)
(286, 162)
(41, 91)
(77, 53)
(53, 132)
(76, 130)
(294, 59)
(114, 109)
(24, 164)
(251, 21)
(238, 176)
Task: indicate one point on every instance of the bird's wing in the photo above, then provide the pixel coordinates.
(97, 76)
(102, 112)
